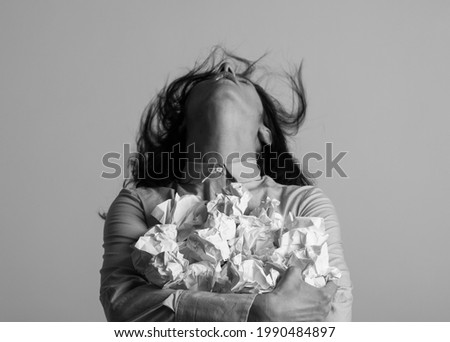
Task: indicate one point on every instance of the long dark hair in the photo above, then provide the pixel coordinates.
(162, 126)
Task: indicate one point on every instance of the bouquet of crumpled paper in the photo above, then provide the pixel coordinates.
(213, 246)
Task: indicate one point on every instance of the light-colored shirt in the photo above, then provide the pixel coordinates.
(127, 296)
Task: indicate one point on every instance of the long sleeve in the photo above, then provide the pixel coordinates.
(316, 203)
(127, 296)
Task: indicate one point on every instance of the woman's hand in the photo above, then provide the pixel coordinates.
(293, 300)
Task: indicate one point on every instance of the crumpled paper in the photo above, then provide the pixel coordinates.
(215, 246)
(304, 244)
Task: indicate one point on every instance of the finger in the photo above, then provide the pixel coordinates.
(293, 275)
(294, 271)
(330, 289)
(327, 310)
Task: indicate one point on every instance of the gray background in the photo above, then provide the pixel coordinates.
(75, 77)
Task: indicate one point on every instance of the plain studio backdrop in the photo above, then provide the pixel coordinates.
(76, 76)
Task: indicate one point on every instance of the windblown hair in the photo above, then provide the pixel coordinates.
(162, 126)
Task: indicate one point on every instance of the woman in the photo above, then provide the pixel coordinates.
(206, 129)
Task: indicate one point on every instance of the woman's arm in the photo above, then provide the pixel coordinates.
(127, 296)
(316, 203)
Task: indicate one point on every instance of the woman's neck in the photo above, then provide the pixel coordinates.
(222, 143)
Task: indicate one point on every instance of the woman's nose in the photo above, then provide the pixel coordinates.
(226, 67)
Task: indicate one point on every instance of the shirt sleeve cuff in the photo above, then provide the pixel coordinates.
(200, 306)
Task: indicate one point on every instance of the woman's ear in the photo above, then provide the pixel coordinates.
(265, 135)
